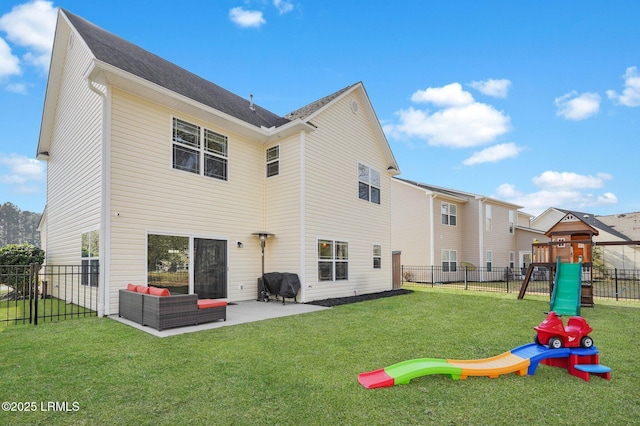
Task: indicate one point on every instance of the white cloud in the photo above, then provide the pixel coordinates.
(450, 95)
(19, 88)
(560, 189)
(569, 180)
(22, 175)
(577, 107)
(246, 18)
(32, 26)
(459, 122)
(631, 94)
(491, 87)
(9, 63)
(283, 6)
(494, 154)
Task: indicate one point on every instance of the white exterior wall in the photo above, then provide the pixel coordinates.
(332, 209)
(74, 167)
(149, 196)
(448, 237)
(411, 219)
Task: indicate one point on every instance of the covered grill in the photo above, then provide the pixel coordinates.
(283, 284)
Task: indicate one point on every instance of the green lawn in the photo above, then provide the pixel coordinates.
(303, 370)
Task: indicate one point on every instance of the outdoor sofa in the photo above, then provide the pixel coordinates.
(157, 308)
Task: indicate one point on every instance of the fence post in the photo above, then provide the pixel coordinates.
(431, 276)
(33, 290)
(615, 274)
(466, 281)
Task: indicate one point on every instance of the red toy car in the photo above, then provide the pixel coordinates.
(553, 333)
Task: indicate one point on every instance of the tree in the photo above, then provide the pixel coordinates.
(14, 260)
(18, 227)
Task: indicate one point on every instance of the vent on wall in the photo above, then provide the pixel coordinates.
(354, 106)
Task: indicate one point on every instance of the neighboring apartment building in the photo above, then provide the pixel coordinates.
(433, 226)
(153, 170)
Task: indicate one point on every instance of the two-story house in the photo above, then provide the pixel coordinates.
(157, 175)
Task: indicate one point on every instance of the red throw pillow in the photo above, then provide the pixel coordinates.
(155, 291)
(143, 289)
(131, 287)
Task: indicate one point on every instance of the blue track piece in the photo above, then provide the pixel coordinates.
(536, 353)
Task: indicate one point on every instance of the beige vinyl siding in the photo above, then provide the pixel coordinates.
(282, 198)
(470, 229)
(152, 197)
(411, 223)
(74, 165)
(499, 240)
(332, 208)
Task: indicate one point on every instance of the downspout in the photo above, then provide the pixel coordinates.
(481, 236)
(303, 286)
(432, 238)
(105, 218)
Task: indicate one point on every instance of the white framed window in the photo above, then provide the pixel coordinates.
(333, 260)
(488, 257)
(273, 161)
(561, 242)
(198, 150)
(90, 258)
(368, 184)
(377, 256)
(449, 214)
(512, 259)
(449, 260)
(487, 215)
(512, 221)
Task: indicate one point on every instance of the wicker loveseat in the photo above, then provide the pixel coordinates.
(158, 309)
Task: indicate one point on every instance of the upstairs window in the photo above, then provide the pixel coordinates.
(273, 161)
(449, 214)
(198, 150)
(488, 220)
(368, 184)
(512, 221)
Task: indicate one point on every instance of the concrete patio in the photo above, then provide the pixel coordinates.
(237, 313)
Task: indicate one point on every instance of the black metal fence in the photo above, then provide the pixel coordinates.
(33, 293)
(618, 284)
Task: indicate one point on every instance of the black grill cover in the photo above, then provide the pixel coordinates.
(283, 284)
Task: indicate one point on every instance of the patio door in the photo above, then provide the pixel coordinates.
(210, 268)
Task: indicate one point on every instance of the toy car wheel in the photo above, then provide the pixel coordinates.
(555, 343)
(586, 342)
(536, 340)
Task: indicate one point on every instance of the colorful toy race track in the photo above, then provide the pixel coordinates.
(565, 298)
(523, 360)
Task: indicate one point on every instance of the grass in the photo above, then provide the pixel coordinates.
(17, 311)
(303, 369)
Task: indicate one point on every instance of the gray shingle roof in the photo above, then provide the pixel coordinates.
(122, 54)
(591, 220)
(309, 109)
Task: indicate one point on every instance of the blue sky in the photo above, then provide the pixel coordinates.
(531, 102)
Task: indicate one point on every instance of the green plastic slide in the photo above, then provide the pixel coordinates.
(565, 298)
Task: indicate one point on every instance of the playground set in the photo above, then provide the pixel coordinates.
(569, 347)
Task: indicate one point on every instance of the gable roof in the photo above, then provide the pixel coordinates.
(593, 222)
(459, 194)
(311, 108)
(120, 53)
